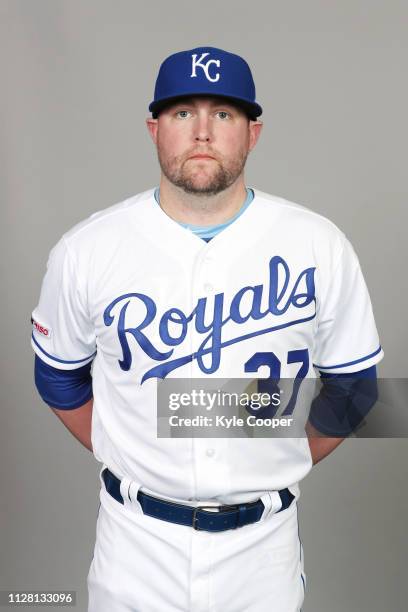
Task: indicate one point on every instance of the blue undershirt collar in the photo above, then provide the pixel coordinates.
(206, 232)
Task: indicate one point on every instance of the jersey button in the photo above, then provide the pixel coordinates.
(208, 287)
(210, 452)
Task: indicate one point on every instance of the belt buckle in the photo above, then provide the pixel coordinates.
(197, 508)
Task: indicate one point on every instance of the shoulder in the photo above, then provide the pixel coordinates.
(108, 221)
(300, 223)
(295, 212)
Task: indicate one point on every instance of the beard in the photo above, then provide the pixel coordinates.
(205, 177)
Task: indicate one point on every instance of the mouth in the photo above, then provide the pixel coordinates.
(201, 156)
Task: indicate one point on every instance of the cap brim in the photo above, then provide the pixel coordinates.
(252, 109)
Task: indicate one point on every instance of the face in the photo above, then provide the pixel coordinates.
(203, 143)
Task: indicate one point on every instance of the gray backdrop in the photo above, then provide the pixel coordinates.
(76, 79)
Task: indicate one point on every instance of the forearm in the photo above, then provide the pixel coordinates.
(69, 394)
(320, 445)
(344, 401)
(79, 422)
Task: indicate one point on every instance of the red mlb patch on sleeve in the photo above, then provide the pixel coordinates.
(41, 329)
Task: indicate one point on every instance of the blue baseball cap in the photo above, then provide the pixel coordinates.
(205, 71)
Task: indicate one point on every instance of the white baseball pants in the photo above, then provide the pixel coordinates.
(143, 564)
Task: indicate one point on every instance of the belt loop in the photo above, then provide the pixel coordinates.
(272, 502)
(100, 476)
(133, 491)
(276, 501)
(129, 489)
(267, 502)
(125, 490)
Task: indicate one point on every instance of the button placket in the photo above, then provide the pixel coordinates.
(203, 286)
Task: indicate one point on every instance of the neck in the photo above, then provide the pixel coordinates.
(201, 209)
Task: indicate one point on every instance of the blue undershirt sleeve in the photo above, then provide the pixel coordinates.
(63, 389)
(344, 401)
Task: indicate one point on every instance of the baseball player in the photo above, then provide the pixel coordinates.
(201, 276)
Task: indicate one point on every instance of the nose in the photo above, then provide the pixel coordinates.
(202, 128)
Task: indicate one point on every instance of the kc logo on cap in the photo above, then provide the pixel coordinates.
(205, 67)
(205, 71)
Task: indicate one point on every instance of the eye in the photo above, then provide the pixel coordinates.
(223, 114)
(182, 114)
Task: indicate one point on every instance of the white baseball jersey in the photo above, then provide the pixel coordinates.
(145, 299)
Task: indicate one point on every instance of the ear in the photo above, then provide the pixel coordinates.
(152, 127)
(255, 128)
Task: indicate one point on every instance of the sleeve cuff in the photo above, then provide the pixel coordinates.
(354, 365)
(62, 364)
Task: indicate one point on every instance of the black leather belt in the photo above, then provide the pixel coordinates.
(200, 517)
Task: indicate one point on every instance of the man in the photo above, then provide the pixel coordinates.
(200, 277)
